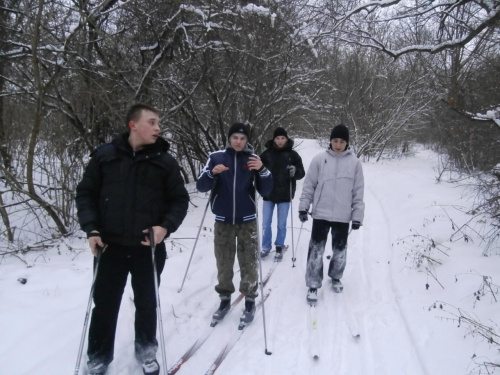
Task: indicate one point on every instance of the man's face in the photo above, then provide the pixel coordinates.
(146, 129)
(238, 141)
(280, 141)
(338, 144)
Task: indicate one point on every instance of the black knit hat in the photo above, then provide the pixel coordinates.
(340, 131)
(238, 128)
(279, 131)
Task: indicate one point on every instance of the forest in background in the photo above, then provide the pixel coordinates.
(396, 73)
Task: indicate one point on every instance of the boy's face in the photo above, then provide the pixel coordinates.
(238, 141)
(147, 128)
(338, 144)
(280, 141)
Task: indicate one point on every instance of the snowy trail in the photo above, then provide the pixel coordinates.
(41, 320)
(370, 298)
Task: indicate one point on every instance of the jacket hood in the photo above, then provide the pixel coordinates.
(288, 147)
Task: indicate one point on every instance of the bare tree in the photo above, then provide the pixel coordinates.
(355, 22)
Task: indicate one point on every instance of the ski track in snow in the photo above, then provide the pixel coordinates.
(375, 259)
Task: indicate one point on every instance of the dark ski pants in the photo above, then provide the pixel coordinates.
(319, 235)
(232, 239)
(115, 265)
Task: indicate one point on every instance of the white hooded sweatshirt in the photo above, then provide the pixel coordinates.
(334, 185)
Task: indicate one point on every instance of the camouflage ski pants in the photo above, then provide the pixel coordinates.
(240, 239)
(319, 235)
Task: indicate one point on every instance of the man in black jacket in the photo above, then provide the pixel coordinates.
(286, 167)
(129, 185)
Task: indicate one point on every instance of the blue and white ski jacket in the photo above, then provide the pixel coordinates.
(233, 198)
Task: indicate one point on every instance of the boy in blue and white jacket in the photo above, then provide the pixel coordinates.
(231, 174)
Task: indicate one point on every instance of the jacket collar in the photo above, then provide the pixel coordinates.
(349, 151)
(121, 143)
(288, 147)
(247, 150)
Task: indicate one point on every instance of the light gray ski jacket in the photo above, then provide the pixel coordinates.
(334, 185)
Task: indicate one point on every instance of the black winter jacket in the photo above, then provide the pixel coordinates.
(122, 192)
(276, 160)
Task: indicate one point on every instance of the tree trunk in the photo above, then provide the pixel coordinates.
(36, 126)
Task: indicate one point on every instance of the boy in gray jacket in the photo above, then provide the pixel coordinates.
(334, 185)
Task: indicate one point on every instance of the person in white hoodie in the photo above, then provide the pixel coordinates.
(334, 186)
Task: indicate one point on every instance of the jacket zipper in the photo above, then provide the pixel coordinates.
(234, 191)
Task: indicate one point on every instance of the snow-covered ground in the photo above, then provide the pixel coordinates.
(406, 316)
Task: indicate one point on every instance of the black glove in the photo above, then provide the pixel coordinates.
(355, 225)
(303, 216)
(291, 169)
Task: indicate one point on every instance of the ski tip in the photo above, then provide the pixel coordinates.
(214, 323)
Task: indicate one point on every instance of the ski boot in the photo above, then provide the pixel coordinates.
(279, 254)
(225, 305)
(265, 252)
(248, 313)
(96, 368)
(312, 296)
(337, 286)
(151, 367)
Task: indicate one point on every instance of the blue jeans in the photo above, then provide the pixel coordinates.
(267, 218)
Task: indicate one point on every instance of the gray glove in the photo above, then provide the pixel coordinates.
(291, 169)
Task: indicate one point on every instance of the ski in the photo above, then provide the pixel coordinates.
(232, 342)
(352, 326)
(199, 342)
(314, 332)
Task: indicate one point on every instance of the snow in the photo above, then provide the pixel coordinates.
(385, 295)
(490, 115)
(252, 8)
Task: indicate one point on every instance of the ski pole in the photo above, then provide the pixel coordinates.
(199, 230)
(291, 218)
(157, 293)
(89, 305)
(259, 249)
(298, 240)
